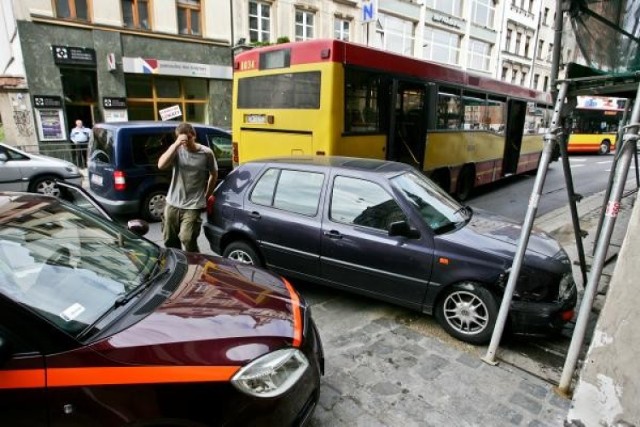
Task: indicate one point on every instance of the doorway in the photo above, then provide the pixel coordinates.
(516, 111)
(80, 90)
(408, 126)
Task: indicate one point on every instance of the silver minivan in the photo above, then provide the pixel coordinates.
(21, 171)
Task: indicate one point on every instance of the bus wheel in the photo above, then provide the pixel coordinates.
(441, 177)
(466, 179)
(605, 147)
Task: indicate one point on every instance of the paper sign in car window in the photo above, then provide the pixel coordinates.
(72, 312)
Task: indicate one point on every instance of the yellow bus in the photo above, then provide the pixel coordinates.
(594, 124)
(328, 97)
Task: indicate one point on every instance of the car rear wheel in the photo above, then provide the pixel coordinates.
(605, 147)
(45, 185)
(153, 205)
(468, 312)
(242, 252)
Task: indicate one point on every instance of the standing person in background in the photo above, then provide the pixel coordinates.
(194, 176)
(80, 135)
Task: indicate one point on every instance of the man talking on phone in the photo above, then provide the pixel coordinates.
(193, 179)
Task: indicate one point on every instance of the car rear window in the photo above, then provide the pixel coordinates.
(101, 145)
(289, 190)
(148, 147)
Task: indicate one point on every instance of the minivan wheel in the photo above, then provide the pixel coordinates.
(242, 252)
(45, 185)
(468, 312)
(153, 205)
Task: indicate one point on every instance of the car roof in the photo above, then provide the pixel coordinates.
(339, 162)
(152, 123)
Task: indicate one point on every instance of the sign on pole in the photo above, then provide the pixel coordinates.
(369, 10)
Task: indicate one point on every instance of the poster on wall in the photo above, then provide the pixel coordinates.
(51, 125)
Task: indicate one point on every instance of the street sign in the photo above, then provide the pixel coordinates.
(170, 112)
(369, 10)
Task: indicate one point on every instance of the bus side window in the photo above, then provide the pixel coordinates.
(362, 111)
(449, 109)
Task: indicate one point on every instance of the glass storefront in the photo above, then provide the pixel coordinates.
(147, 95)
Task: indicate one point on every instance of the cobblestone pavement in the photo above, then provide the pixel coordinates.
(387, 366)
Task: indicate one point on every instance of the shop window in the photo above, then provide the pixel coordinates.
(479, 55)
(167, 87)
(135, 14)
(452, 7)
(195, 88)
(189, 17)
(147, 95)
(394, 34)
(72, 9)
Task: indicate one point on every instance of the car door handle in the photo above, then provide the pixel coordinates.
(333, 234)
(255, 215)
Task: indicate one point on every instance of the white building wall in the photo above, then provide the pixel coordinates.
(107, 13)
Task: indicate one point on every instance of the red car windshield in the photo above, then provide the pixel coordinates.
(67, 265)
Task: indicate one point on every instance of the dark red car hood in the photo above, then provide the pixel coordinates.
(221, 313)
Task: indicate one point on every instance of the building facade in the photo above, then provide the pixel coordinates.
(63, 60)
(112, 61)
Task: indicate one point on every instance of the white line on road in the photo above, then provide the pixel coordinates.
(577, 166)
(605, 163)
(573, 159)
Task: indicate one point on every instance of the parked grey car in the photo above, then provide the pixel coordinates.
(21, 171)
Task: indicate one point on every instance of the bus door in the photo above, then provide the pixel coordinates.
(408, 123)
(516, 112)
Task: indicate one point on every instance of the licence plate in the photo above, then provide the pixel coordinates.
(96, 179)
(255, 118)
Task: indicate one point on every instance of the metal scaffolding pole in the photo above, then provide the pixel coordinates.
(628, 149)
(551, 137)
(573, 199)
(614, 165)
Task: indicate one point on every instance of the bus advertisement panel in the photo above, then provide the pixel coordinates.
(328, 97)
(594, 124)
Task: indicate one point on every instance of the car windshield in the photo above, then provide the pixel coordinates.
(439, 210)
(66, 264)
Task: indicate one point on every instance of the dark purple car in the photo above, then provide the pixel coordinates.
(101, 327)
(384, 230)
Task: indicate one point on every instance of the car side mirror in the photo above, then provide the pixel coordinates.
(138, 227)
(3, 158)
(5, 350)
(402, 228)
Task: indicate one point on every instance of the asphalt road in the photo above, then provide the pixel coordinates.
(509, 198)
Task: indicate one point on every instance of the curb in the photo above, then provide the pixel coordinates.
(552, 222)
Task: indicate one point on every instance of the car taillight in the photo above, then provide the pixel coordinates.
(119, 183)
(210, 201)
(235, 153)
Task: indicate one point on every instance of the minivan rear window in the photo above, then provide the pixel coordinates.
(148, 147)
(101, 145)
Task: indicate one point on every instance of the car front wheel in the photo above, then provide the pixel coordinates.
(242, 252)
(45, 185)
(468, 312)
